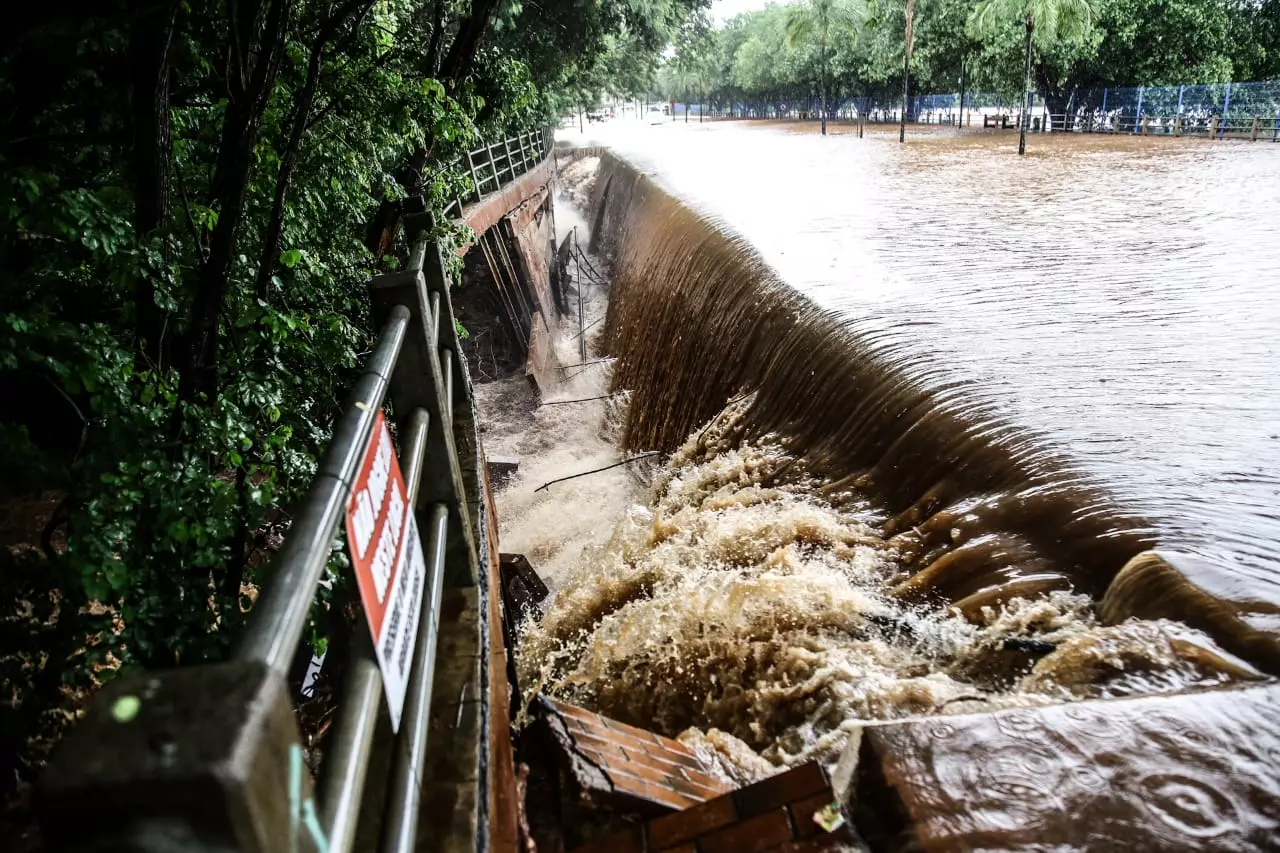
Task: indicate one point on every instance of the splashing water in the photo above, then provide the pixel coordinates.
(768, 590)
(742, 605)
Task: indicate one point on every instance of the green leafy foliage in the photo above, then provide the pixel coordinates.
(777, 53)
(188, 223)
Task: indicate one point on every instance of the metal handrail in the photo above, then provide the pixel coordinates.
(414, 362)
(275, 624)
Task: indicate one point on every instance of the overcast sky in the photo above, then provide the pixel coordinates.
(723, 10)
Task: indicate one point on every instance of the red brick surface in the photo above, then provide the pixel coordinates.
(776, 791)
(803, 811)
(654, 774)
(823, 844)
(626, 841)
(721, 825)
(755, 835)
(666, 832)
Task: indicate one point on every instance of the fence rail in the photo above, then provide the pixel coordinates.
(490, 166)
(1216, 110)
(212, 753)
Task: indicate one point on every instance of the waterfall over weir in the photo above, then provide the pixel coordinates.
(978, 511)
(845, 550)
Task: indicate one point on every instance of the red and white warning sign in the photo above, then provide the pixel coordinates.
(386, 551)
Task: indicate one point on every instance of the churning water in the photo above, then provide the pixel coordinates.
(1117, 295)
(922, 405)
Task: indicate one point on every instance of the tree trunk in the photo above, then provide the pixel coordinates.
(906, 67)
(149, 44)
(822, 87)
(462, 52)
(352, 9)
(437, 37)
(1026, 82)
(254, 65)
(288, 162)
(960, 110)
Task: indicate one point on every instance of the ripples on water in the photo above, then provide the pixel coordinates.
(1113, 295)
(751, 600)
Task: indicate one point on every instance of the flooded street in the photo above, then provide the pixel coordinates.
(1112, 296)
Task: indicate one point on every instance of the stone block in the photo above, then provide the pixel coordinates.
(1194, 771)
(209, 753)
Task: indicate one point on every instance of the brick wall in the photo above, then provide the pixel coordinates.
(623, 766)
(775, 815)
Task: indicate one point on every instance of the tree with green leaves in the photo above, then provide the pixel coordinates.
(908, 40)
(192, 201)
(818, 21)
(1045, 21)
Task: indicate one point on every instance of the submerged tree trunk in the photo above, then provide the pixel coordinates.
(1026, 98)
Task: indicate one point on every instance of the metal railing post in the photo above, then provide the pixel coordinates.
(342, 776)
(511, 168)
(430, 377)
(276, 622)
(497, 181)
(471, 167)
(419, 382)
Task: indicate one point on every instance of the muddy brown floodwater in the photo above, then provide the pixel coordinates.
(920, 405)
(1116, 294)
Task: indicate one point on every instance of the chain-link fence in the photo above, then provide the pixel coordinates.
(1220, 110)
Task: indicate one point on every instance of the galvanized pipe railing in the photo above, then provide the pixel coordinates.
(276, 622)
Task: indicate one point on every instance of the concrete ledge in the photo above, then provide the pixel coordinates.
(1191, 771)
(482, 215)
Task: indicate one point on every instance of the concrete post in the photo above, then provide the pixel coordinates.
(204, 759)
(419, 381)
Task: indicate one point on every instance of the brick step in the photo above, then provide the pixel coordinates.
(775, 815)
(626, 768)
